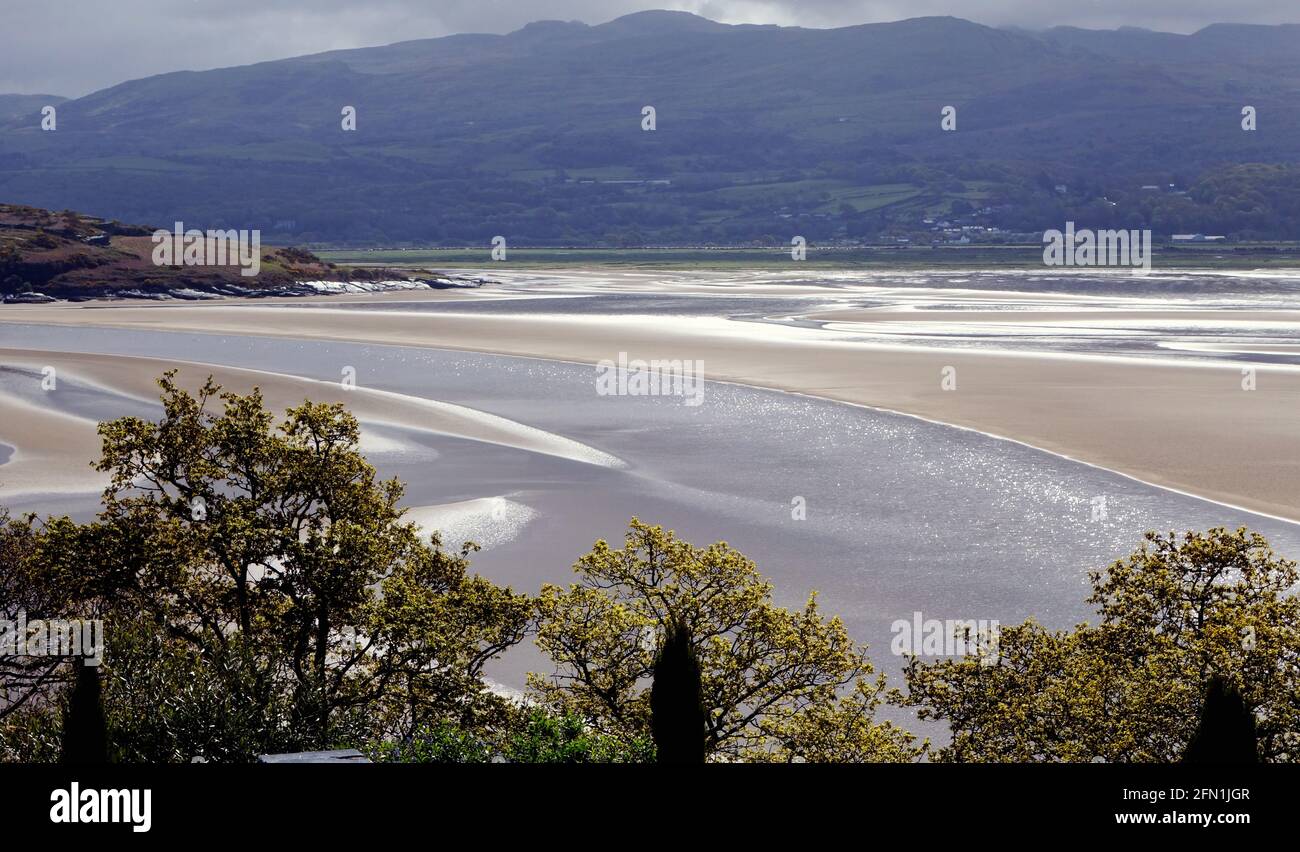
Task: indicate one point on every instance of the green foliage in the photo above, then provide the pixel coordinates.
(1174, 615)
(31, 734)
(532, 737)
(262, 590)
(440, 742)
(567, 739)
(263, 593)
(761, 131)
(770, 677)
(27, 587)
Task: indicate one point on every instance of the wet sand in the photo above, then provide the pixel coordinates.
(54, 448)
(1190, 427)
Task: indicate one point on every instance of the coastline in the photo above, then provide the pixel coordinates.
(1190, 428)
(54, 449)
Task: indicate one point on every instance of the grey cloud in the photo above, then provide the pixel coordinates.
(71, 47)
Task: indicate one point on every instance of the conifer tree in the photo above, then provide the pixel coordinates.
(676, 703)
(85, 733)
(1226, 733)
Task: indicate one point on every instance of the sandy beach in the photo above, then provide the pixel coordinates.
(1190, 427)
(53, 448)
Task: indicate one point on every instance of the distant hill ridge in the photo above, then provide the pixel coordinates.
(761, 132)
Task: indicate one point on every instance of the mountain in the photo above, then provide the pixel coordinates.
(761, 132)
(15, 107)
(1231, 44)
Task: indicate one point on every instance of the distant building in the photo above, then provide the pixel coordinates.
(1197, 238)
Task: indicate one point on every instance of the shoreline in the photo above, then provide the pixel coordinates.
(1019, 257)
(51, 446)
(1187, 428)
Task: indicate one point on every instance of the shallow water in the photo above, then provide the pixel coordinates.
(913, 295)
(901, 515)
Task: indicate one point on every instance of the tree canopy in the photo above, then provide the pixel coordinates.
(1179, 612)
(773, 680)
(262, 591)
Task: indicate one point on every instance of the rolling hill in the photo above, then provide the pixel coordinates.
(17, 107)
(761, 132)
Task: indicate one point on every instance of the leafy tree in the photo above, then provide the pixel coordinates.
(265, 592)
(27, 589)
(769, 676)
(32, 734)
(1176, 614)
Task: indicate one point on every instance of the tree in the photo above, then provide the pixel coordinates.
(1226, 733)
(768, 675)
(26, 589)
(85, 734)
(264, 592)
(1174, 616)
(676, 700)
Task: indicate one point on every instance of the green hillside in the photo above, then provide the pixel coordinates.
(762, 132)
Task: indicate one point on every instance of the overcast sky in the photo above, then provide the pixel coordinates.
(72, 47)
